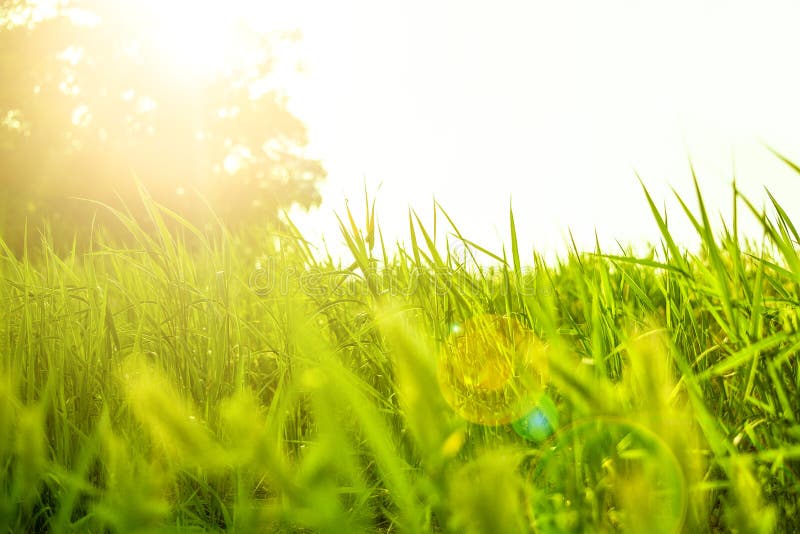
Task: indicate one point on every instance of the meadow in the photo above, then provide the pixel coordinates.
(185, 379)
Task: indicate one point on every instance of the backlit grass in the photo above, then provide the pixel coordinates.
(203, 380)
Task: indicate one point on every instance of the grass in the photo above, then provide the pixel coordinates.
(207, 381)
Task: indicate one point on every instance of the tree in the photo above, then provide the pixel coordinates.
(93, 93)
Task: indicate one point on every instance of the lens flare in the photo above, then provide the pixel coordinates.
(492, 369)
(540, 423)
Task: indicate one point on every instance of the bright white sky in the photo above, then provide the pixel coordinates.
(553, 104)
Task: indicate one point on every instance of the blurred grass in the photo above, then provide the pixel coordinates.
(210, 381)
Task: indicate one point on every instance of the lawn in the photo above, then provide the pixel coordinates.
(185, 379)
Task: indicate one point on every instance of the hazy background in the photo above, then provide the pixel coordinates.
(552, 103)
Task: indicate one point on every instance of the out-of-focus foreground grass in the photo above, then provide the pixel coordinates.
(210, 381)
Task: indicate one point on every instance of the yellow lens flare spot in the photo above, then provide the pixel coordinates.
(452, 445)
(492, 369)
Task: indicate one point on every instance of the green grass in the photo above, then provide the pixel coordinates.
(208, 381)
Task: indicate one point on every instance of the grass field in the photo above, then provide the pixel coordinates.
(207, 381)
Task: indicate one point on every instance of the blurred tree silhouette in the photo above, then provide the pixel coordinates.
(92, 95)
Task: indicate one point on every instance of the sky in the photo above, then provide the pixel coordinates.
(552, 106)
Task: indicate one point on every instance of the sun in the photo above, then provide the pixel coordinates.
(204, 38)
(195, 36)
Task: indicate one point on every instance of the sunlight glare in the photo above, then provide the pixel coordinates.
(203, 38)
(197, 37)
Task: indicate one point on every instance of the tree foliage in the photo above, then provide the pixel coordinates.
(93, 97)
